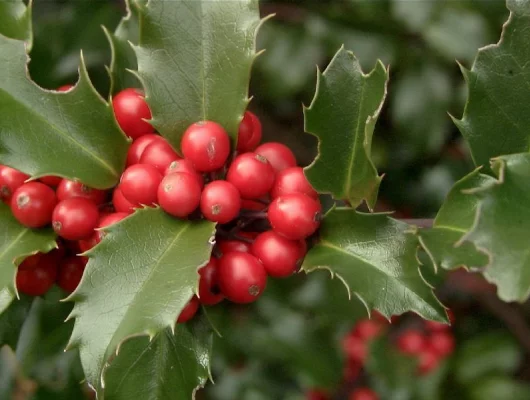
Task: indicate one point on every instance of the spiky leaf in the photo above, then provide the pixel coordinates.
(342, 116)
(455, 218)
(15, 21)
(501, 226)
(171, 366)
(72, 134)
(497, 117)
(123, 56)
(137, 282)
(375, 258)
(16, 243)
(194, 60)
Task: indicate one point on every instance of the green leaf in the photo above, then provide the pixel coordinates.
(123, 56)
(11, 321)
(170, 366)
(497, 115)
(138, 280)
(501, 227)
(342, 116)
(16, 243)
(375, 257)
(499, 388)
(73, 135)
(455, 218)
(194, 60)
(15, 21)
(495, 353)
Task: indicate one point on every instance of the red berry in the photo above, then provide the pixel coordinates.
(227, 246)
(220, 202)
(436, 326)
(10, 180)
(206, 145)
(279, 155)
(139, 184)
(70, 273)
(131, 109)
(184, 166)
(363, 393)
(69, 189)
(209, 291)
(355, 348)
(411, 342)
(32, 204)
(139, 145)
(65, 88)
(292, 180)
(75, 219)
(87, 244)
(367, 329)
(189, 311)
(316, 394)
(108, 220)
(121, 204)
(252, 205)
(52, 181)
(281, 257)
(428, 361)
(352, 370)
(442, 343)
(295, 216)
(252, 175)
(36, 278)
(159, 154)
(242, 277)
(249, 134)
(179, 194)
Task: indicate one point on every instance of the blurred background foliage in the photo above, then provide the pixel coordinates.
(289, 341)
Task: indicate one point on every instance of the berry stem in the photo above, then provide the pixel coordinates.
(253, 214)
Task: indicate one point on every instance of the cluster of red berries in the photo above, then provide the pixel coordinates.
(264, 205)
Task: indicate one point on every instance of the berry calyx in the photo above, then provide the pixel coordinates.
(131, 109)
(363, 393)
(292, 180)
(442, 343)
(139, 145)
(36, 278)
(10, 180)
(139, 184)
(179, 194)
(209, 291)
(184, 166)
(252, 175)
(32, 204)
(295, 216)
(242, 277)
(120, 203)
(411, 342)
(75, 219)
(281, 257)
(69, 189)
(189, 311)
(70, 273)
(220, 202)
(207, 145)
(279, 155)
(159, 154)
(249, 134)
(227, 246)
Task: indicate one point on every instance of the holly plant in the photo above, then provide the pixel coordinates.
(147, 216)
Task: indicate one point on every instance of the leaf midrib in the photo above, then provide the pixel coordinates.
(330, 245)
(62, 134)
